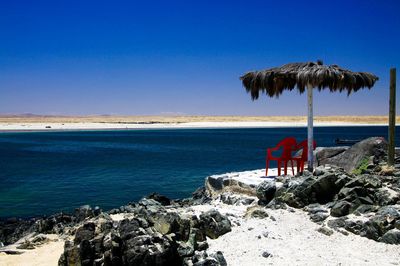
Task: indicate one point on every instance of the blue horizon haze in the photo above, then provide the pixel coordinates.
(185, 57)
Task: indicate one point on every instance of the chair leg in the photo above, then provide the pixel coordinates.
(285, 163)
(279, 168)
(291, 161)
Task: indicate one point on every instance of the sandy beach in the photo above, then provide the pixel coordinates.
(45, 254)
(38, 123)
(292, 238)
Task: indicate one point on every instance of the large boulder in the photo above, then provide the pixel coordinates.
(12, 229)
(310, 189)
(200, 196)
(85, 232)
(391, 237)
(150, 250)
(351, 158)
(386, 218)
(215, 224)
(160, 198)
(266, 191)
(322, 154)
(340, 208)
(366, 181)
(218, 184)
(83, 212)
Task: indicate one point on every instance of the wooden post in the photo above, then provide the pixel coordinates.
(392, 116)
(310, 128)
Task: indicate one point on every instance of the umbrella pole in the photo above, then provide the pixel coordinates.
(310, 128)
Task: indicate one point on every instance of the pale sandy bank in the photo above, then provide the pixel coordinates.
(122, 126)
(291, 238)
(46, 254)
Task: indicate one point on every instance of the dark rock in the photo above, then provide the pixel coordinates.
(366, 181)
(313, 189)
(337, 223)
(83, 212)
(340, 208)
(170, 222)
(374, 228)
(215, 182)
(315, 208)
(160, 198)
(235, 199)
(71, 255)
(215, 224)
(185, 249)
(352, 157)
(97, 246)
(207, 262)
(356, 227)
(391, 237)
(256, 212)
(150, 250)
(356, 196)
(229, 199)
(202, 245)
(86, 253)
(11, 230)
(319, 171)
(53, 224)
(219, 257)
(383, 197)
(325, 187)
(149, 203)
(11, 252)
(266, 191)
(397, 224)
(266, 254)
(324, 153)
(39, 239)
(325, 230)
(85, 232)
(318, 217)
(200, 196)
(128, 228)
(26, 245)
(97, 211)
(366, 208)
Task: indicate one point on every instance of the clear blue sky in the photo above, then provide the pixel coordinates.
(172, 57)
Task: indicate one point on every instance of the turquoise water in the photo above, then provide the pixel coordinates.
(47, 172)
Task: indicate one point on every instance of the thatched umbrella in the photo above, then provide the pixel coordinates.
(306, 75)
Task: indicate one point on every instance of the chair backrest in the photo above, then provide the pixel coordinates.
(304, 147)
(288, 145)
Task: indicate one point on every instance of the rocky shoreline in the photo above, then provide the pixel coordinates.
(352, 192)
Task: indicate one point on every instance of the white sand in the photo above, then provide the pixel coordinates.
(293, 240)
(255, 177)
(98, 126)
(47, 254)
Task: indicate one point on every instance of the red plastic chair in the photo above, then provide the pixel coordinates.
(287, 145)
(304, 154)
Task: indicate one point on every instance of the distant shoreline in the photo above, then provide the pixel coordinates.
(25, 123)
(43, 127)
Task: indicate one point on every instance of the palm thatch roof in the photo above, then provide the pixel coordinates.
(300, 75)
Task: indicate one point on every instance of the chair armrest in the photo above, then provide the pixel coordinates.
(270, 150)
(274, 148)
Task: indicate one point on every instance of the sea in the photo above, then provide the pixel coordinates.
(43, 173)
